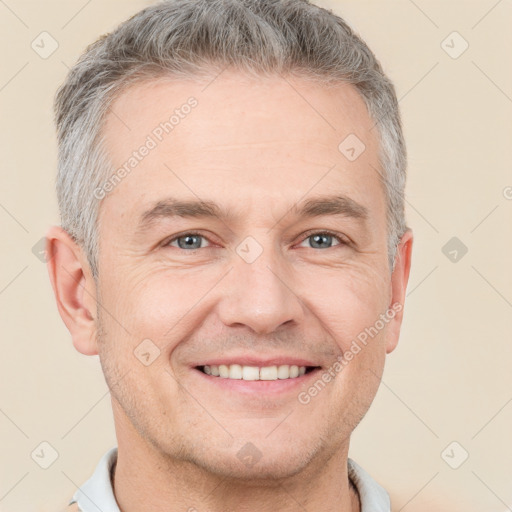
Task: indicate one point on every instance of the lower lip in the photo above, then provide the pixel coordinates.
(252, 387)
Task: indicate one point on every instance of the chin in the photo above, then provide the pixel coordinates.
(253, 466)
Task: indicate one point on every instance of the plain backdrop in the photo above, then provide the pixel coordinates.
(438, 435)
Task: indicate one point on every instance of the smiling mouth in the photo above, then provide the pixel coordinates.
(252, 373)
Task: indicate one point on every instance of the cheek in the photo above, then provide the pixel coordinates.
(156, 305)
(347, 301)
(163, 304)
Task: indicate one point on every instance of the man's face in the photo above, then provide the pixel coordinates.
(254, 287)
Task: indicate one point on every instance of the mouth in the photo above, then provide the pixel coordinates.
(256, 373)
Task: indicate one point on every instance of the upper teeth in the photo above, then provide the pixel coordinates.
(236, 371)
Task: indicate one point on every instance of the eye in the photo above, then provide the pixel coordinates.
(324, 239)
(188, 241)
(319, 240)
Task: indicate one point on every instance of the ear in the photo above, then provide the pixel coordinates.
(399, 280)
(74, 288)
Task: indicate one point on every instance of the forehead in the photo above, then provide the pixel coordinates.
(273, 138)
(231, 99)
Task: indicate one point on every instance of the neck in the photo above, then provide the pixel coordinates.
(145, 479)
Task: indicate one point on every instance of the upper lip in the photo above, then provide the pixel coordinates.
(248, 360)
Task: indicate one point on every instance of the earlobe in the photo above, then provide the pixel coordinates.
(74, 288)
(399, 280)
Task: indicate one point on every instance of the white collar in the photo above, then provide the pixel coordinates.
(97, 493)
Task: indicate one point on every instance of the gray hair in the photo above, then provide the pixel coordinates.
(193, 38)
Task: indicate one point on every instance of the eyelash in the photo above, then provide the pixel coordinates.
(342, 240)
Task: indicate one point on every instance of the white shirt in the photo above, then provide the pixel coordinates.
(97, 493)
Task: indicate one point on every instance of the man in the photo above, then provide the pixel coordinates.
(233, 247)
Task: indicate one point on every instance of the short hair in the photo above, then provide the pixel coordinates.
(197, 38)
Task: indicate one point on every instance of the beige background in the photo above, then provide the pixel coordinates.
(449, 379)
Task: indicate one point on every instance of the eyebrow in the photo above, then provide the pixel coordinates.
(335, 205)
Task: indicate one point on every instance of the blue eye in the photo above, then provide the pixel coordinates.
(188, 241)
(317, 240)
(323, 240)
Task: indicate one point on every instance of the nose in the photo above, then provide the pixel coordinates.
(260, 295)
